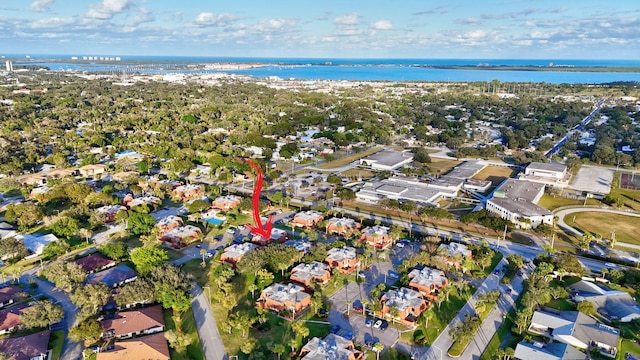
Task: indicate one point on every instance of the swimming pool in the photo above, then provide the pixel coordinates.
(215, 221)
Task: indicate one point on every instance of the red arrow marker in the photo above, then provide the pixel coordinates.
(258, 229)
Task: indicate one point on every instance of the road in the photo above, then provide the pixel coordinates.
(71, 350)
(210, 339)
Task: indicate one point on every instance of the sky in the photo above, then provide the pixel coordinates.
(473, 29)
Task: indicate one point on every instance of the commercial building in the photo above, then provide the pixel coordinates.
(555, 175)
(387, 160)
(515, 200)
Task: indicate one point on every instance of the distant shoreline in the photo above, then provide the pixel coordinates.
(630, 69)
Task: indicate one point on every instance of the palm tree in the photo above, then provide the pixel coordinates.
(377, 348)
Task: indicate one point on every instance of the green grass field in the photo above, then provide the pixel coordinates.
(55, 344)
(554, 202)
(626, 227)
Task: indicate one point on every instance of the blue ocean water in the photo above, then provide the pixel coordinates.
(359, 69)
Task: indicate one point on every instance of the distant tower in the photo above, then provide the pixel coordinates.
(9, 65)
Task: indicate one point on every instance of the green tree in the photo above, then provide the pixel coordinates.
(13, 248)
(115, 250)
(90, 298)
(64, 275)
(139, 291)
(377, 348)
(586, 308)
(148, 257)
(88, 331)
(42, 314)
(249, 345)
(140, 223)
(178, 340)
(65, 226)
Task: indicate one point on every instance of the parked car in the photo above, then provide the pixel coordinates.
(231, 231)
(368, 322)
(400, 245)
(349, 335)
(377, 324)
(357, 307)
(335, 329)
(384, 325)
(610, 265)
(240, 227)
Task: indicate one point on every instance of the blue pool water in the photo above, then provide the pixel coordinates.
(214, 221)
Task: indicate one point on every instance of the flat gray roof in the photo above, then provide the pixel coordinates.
(519, 196)
(547, 166)
(388, 157)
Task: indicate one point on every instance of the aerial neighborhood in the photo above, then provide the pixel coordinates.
(401, 220)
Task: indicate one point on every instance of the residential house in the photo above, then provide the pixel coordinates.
(189, 191)
(7, 231)
(181, 236)
(143, 200)
(376, 236)
(342, 226)
(33, 180)
(114, 276)
(36, 243)
(408, 302)
(307, 273)
(92, 170)
(307, 219)
(169, 222)
(38, 193)
(150, 347)
(576, 329)
(109, 212)
(234, 253)
(302, 246)
(284, 297)
(276, 235)
(28, 347)
(95, 262)
(331, 347)
(127, 324)
(124, 175)
(226, 203)
(550, 351)
(455, 253)
(345, 259)
(427, 281)
(613, 305)
(8, 294)
(10, 318)
(62, 173)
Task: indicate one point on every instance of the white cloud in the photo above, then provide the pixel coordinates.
(381, 25)
(54, 22)
(107, 8)
(41, 5)
(349, 19)
(211, 19)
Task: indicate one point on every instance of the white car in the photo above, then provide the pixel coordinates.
(611, 265)
(231, 231)
(400, 245)
(377, 324)
(240, 227)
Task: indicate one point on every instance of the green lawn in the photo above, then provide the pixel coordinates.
(626, 227)
(553, 202)
(188, 326)
(439, 318)
(55, 344)
(561, 304)
(628, 346)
